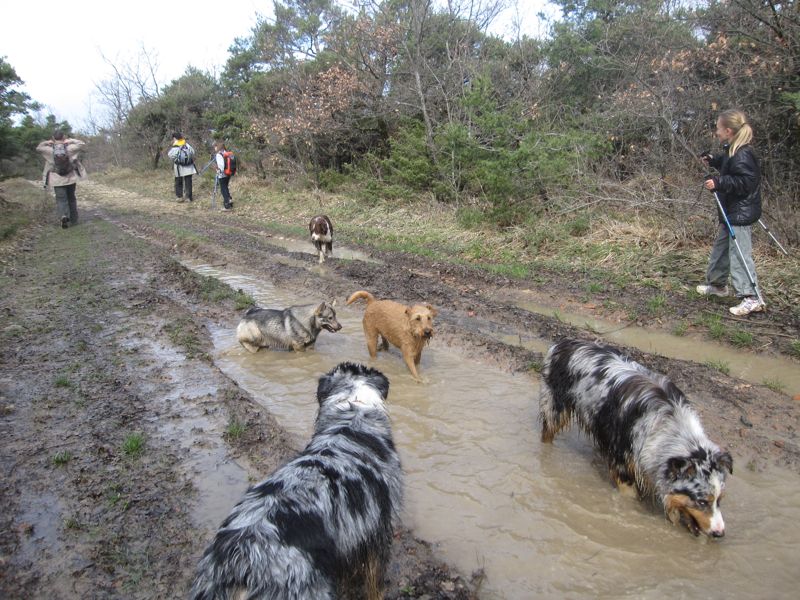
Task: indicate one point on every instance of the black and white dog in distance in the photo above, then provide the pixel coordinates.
(321, 230)
(321, 526)
(294, 328)
(643, 426)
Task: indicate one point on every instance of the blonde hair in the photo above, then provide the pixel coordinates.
(736, 121)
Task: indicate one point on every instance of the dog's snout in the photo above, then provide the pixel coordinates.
(718, 534)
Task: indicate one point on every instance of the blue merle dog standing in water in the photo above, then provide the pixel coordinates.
(643, 426)
(320, 527)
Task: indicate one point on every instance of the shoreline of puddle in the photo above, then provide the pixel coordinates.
(540, 520)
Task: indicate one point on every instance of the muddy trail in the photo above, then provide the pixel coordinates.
(132, 422)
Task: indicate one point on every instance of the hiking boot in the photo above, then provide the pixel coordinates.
(712, 290)
(64, 222)
(180, 200)
(747, 306)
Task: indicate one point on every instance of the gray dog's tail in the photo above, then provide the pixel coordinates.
(361, 294)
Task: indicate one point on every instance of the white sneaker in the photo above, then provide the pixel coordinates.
(747, 306)
(712, 290)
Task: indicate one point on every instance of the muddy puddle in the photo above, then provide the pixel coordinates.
(749, 366)
(542, 521)
(306, 247)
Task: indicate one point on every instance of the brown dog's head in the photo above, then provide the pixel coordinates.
(420, 320)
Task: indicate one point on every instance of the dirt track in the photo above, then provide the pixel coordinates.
(104, 342)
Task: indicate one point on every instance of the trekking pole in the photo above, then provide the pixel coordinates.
(203, 170)
(738, 248)
(774, 239)
(214, 194)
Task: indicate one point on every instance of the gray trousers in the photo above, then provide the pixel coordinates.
(724, 260)
(67, 202)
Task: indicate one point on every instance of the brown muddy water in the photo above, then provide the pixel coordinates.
(750, 366)
(542, 521)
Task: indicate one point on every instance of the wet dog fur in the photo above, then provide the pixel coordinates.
(321, 526)
(294, 328)
(643, 426)
(321, 230)
(407, 327)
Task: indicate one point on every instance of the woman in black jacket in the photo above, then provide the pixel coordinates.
(738, 186)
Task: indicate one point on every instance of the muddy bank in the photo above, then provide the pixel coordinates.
(114, 420)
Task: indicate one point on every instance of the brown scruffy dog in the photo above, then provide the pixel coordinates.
(407, 327)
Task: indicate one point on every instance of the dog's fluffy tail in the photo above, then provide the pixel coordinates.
(361, 294)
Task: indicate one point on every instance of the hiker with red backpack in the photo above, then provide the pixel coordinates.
(62, 172)
(226, 168)
(182, 155)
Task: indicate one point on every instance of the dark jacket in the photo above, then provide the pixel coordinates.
(738, 185)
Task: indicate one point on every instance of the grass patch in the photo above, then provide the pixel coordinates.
(655, 305)
(182, 333)
(133, 445)
(794, 348)
(775, 384)
(719, 365)
(61, 458)
(62, 381)
(214, 290)
(235, 429)
(680, 329)
(741, 339)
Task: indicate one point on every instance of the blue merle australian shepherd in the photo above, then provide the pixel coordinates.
(644, 427)
(320, 526)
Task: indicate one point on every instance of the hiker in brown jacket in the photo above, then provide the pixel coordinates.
(62, 172)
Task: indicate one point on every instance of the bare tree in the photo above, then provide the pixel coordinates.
(131, 82)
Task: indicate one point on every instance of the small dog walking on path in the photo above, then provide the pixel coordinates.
(407, 327)
(321, 526)
(294, 328)
(321, 230)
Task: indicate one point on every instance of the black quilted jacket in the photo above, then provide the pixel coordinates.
(739, 185)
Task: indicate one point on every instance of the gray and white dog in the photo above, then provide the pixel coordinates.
(320, 526)
(643, 426)
(294, 328)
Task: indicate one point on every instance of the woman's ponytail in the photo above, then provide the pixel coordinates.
(736, 121)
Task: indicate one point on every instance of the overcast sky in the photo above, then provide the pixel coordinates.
(57, 47)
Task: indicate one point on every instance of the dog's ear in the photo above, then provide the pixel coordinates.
(725, 461)
(319, 310)
(678, 466)
(408, 311)
(434, 312)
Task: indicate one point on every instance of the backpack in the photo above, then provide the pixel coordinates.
(184, 157)
(229, 159)
(62, 164)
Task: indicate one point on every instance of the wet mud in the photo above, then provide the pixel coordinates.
(92, 356)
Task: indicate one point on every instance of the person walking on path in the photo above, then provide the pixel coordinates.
(182, 155)
(738, 187)
(223, 162)
(62, 172)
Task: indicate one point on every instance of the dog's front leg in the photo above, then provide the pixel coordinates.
(408, 358)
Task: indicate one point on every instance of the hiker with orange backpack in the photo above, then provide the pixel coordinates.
(226, 168)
